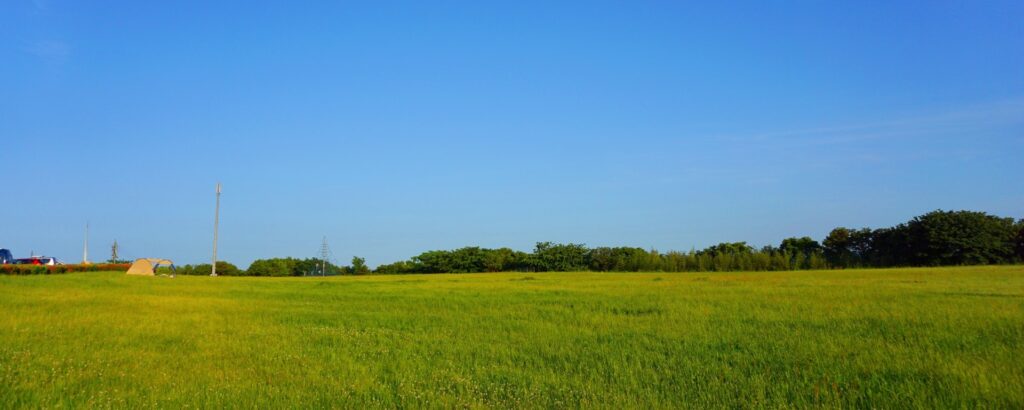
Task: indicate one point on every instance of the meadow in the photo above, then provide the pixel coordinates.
(907, 338)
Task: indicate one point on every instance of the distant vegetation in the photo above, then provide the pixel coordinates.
(281, 267)
(57, 269)
(939, 238)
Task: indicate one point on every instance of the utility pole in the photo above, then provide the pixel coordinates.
(216, 220)
(85, 247)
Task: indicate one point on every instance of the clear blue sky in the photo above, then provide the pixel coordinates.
(394, 128)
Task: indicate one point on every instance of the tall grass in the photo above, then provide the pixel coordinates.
(950, 337)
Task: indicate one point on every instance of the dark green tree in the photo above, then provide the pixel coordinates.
(804, 246)
(273, 267)
(223, 269)
(837, 248)
(396, 268)
(359, 266)
(433, 262)
(728, 248)
(498, 260)
(960, 238)
(1020, 241)
(560, 257)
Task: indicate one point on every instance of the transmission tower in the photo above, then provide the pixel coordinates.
(325, 252)
(113, 252)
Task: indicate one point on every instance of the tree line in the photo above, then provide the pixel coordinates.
(549, 257)
(280, 267)
(938, 238)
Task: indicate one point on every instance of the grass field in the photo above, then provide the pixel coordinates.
(949, 337)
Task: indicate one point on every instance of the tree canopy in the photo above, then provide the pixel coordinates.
(935, 238)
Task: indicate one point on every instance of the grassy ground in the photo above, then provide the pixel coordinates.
(950, 337)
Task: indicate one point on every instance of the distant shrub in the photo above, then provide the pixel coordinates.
(23, 270)
(274, 267)
(223, 268)
(292, 267)
(59, 269)
(359, 266)
(396, 268)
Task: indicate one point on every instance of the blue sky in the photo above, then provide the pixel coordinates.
(394, 128)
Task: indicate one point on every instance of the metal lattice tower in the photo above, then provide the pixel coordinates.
(325, 252)
(113, 252)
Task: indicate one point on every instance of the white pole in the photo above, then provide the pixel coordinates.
(216, 220)
(85, 246)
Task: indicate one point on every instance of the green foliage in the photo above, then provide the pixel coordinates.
(497, 260)
(577, 257)
(293, 267)
(837, 247)
(803, 246)
(434, 262)
(625, 259)
(1019, 240)
(936, 238)
(59, 269)
(223, 269)
(728, 248)
(274, 267)
(560, 257)
(463, 260)
(933, 239)
(359, 266)
(960, 238)
(396, 268)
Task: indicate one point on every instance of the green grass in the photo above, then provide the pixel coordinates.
(924, 338)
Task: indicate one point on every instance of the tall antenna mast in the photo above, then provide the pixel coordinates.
(324, 253)
(85, 246)
(216, 220)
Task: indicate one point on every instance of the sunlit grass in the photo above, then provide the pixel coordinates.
(948, 337)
